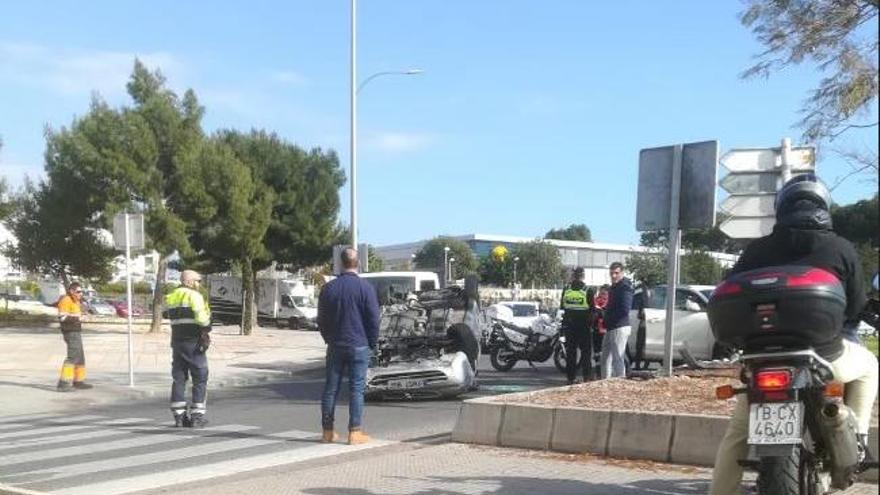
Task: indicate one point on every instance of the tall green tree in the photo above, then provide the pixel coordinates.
(375, 262)
(140, 157)
(700, 268)
(648, 268)
(858, 222)
(574, 232)
(306, 202)
(232, 221)
(840, 37)
(56, 238)
(539, 265)
(496, 271)
(430, 256)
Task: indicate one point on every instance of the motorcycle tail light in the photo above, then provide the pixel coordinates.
(726, 289)
(772, 380)
(812, 277)
(834, 389)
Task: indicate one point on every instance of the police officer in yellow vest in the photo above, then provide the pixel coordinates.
(576, 327)
(190, 326)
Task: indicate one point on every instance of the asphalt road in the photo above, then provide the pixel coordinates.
(129, 447)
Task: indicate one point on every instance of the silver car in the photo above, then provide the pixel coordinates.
(691, 330)
(428, 347)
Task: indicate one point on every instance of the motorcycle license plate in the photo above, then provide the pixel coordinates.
(405, 384)
(776, 423)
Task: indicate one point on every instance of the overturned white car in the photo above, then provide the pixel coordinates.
(428, 346)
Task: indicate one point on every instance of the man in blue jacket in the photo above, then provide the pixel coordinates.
(348, 318)
(620, 300)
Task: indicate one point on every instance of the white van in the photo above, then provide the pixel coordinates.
(397, 283)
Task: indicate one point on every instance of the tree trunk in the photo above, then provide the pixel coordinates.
(158, 293)
(249, 316)
(65, 280)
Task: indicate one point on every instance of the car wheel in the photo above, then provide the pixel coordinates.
(722, 351)
(293, 324)
(465, 342)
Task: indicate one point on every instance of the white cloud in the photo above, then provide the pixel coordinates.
(290, 77)
(400, 142)
(71, 72)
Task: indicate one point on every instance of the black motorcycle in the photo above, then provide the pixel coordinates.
(802, 437)
(508, 343)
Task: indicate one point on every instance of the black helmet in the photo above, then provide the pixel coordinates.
(578, 273)
(804, 202)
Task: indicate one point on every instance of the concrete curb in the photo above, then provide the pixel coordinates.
(504, 421)
(8, 490)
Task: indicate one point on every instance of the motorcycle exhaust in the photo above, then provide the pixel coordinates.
(839, 429)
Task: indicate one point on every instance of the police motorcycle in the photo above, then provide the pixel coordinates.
(802, 437)
(509, 343)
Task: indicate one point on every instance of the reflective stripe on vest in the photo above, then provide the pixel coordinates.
(574, 299)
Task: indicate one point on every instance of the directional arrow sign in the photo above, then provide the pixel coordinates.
(768, 159)
(750, 206)
(748, 227)
(750, 183)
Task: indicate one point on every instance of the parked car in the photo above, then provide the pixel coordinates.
(100, 307)
(524, 312)
(121, 307)
(691, 332)
(24, 303)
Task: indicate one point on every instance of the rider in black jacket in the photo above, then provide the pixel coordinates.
(803, 236)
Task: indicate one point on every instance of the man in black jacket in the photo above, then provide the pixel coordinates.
(802, 236)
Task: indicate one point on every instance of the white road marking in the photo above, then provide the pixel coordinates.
(216, 469)
(191, 452)
(71, 437)
(127, 443)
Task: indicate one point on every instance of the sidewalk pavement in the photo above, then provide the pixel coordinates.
(453, 469)
(32, 357)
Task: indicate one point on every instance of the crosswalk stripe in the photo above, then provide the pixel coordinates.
(124, 424)
(138, 441)
(47, 430)
(213, 470)
(195, 451)
(26, 422)
(25, 417)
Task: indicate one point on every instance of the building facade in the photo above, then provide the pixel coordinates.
(593, 257)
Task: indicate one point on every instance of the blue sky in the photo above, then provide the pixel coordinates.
(530, 115)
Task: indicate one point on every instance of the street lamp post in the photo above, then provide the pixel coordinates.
(515, 260)
(451, 261)
(355, 89)
(445, 265)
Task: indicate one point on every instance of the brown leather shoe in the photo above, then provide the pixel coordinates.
(357, 437)
(329, 436)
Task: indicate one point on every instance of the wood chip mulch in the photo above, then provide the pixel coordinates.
(680, 394)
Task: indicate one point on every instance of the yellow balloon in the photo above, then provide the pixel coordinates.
(499, 253)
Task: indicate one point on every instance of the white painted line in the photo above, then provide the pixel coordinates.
(127, 443)
(137, 423)
(195, 451)
(214, 470)
(48, 430)
(26, 417)
(36, 421)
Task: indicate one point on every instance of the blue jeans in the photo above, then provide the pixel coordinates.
(339, 360)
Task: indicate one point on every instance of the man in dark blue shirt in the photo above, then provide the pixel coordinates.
(348, 319)
(620, 300)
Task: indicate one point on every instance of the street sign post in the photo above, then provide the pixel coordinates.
(755, 176)
(128, 232)
(676, 190)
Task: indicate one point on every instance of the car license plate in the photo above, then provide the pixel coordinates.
(405, 383)
(776, 423)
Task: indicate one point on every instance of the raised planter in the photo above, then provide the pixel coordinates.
(511, 421)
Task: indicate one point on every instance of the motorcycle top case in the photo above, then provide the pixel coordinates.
(790, 307)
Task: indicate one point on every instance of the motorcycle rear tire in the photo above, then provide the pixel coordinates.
(559, 359)
(498, 363)
(780, 475)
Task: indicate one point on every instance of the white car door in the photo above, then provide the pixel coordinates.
(692, 325)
